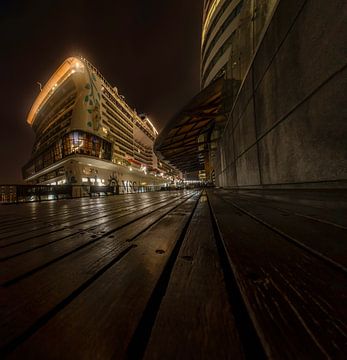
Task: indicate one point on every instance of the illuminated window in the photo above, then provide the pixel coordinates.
(79, 142)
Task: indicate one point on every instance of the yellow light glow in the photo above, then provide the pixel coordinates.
(51, 84)
(209, 17)
(154, 129)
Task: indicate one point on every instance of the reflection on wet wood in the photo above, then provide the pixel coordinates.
(173, 275)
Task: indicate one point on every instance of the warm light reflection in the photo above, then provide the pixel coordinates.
(209, 17)
(65, 69)
(154, 129)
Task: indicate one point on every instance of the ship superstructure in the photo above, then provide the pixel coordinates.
(87, 134)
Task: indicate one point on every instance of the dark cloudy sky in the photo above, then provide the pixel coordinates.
(149, 49)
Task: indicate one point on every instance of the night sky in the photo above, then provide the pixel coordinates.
(149, 49)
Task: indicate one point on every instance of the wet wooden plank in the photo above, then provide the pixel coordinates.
(94, 275)
(25, 303)
(89, 223)
(31, 261)
(322, 238)
(325, 206)
(54, 211)
(51, 217)
(92, 223)
(291, 295)
(195, 319)
(59, 221)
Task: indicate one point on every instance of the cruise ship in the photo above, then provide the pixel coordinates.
(86, 134)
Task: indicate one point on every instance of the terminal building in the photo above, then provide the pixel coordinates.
(230, 32)
(269, 113)
(86, 134)
(221, 21)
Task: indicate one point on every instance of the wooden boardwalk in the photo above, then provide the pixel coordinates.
(175, 275)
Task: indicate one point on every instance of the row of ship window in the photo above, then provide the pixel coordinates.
(58, 120)
(118, 105)
(76, 142)
(120, 138)
(129, 148)
(112, 125)
(55, 128)
(124, 110)
(54, 115)
(112, 116)
(122, 135)
(110, 108)
(144, 130)
(59, 108)
(125, 141)
(30, 171)
(61, 124)
(126, 113)
(52, 175)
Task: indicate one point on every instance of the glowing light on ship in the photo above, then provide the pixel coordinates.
(66, 69)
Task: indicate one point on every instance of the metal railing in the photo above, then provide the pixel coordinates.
(26, 193)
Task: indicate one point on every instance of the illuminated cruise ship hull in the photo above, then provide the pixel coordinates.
(86, 134)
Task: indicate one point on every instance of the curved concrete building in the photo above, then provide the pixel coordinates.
(220, 22)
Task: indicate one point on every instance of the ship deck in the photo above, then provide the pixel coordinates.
(176, 275)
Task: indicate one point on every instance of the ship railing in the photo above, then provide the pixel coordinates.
(108, 85)
(123, 103)
(13, 193)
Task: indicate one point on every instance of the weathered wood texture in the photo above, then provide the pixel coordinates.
(195, 319)
(62, 268)
(170, 275)
(291, 274)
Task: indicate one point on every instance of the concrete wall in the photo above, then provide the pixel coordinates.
(288, 126)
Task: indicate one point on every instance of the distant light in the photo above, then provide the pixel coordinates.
(130, 168)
